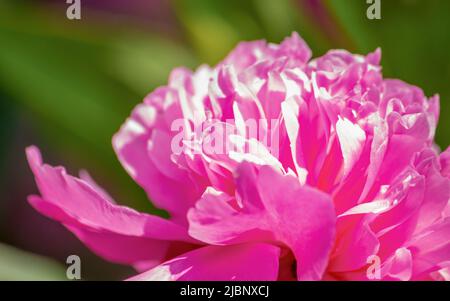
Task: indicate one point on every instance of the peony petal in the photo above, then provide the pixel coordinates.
(247, 54)
(131, 146)
(355, 237)
(445, 162)
(246, 262)
(115, 232)
(431, 248)
(400, 266)
(352, 139)
(298, 216)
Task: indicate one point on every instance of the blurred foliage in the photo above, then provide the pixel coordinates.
(19, 265)
(77, 81)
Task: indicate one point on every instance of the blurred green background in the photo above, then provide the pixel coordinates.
(67, 86)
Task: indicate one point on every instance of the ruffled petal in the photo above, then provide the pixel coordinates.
(115, 232)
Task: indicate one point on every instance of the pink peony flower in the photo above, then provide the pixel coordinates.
(341, 180)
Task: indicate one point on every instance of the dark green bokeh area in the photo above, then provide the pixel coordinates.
(68, 85)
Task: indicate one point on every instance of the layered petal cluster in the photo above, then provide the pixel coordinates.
(341, 180)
